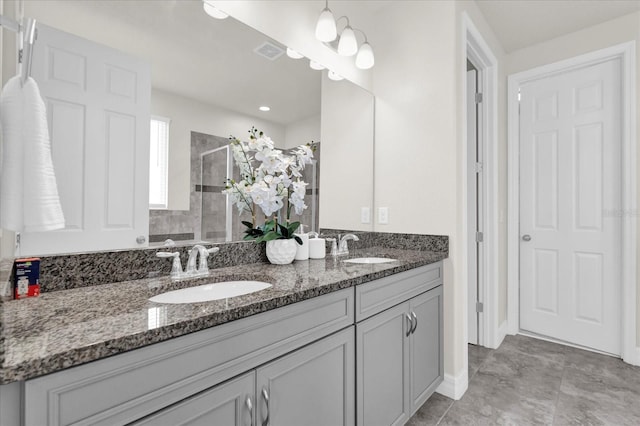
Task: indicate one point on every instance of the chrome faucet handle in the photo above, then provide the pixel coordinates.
(176, 268)
(203, 266)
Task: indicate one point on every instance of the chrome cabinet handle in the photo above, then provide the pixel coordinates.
(410, 322)
(265, 396)
(526, 237)
(250, 408)
(415, 322)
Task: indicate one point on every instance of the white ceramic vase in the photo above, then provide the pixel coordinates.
(281, 252)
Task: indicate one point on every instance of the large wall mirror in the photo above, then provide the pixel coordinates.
(208, 78)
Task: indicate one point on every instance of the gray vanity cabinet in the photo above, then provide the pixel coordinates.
(399, 348)
(383, 368)
(426, 360)
(231, 404)
(311, 386)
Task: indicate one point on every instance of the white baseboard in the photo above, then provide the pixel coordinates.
(503, 330)
(454, 387)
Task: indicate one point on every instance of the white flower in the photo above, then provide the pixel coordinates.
(304, 155)
(269, 178)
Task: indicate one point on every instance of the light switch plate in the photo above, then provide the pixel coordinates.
(383, 215)
(365, 215)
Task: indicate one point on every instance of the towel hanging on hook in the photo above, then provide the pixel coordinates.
(27, 36)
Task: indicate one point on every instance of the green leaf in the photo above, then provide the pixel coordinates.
(284, 231)
(247, 224)
(270, 236)
(293, 227)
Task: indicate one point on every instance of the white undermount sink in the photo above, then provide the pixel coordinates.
(209, 292)
(370, 260)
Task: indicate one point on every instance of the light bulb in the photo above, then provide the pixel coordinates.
(365, 58)
(326, 27)
(213, 11)
(335, 76)
(315, 66)
(293, 54)
(348, 46)
(264, 108)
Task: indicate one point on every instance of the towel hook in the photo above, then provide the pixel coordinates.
(27, 54)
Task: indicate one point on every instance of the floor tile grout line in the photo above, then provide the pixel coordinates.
(445, 412)
(564, 374)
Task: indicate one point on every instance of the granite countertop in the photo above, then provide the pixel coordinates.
(61, 329)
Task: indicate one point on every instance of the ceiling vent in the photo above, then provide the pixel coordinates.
(269, 50)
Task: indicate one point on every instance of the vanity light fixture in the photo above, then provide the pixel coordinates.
(264, 108)
(315, 66)
(213, 11)
(348, 45)
(345, 41)
(293, 54)
(335, 76)
(326, 27)
(365, 58)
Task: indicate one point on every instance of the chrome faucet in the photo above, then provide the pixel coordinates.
(343, 248)
(203, 265)
(191, 270)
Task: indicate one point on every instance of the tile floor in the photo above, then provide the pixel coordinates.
(532, 382)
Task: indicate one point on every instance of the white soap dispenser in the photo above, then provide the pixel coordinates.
(302, 250)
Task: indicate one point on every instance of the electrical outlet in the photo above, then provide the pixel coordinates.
(383, 215)
(365, 215)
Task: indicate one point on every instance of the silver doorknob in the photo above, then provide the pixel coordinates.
(526, 237)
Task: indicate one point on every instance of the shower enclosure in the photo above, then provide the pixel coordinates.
(216, 211)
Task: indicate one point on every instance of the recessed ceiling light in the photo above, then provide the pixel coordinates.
(264, 108)
(213, 11)
(315, 66)
(293, 54)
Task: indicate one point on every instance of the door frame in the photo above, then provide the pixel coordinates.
(626, 53)
(477, 50)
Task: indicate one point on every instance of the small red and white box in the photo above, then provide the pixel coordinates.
(26, 278)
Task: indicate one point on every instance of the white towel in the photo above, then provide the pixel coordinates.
(29, 200)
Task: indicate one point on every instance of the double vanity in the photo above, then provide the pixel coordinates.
(322, 342)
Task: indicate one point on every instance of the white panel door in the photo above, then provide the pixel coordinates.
(570, 191)
(98, 106)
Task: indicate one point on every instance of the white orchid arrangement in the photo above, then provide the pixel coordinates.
(274, 183)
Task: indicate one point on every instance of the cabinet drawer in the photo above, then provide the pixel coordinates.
(376, 296)
(126, 387)
(231, 403)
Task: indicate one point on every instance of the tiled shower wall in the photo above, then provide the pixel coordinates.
(207, 221)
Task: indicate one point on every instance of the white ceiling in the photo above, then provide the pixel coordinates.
(192, 54)
(523, 23)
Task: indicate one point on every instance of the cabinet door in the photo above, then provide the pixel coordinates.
(426, 343)
(231, 403)
(382, 368)
(314, 385)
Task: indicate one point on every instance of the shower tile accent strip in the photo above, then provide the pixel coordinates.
(63, 272)
(158, 238)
